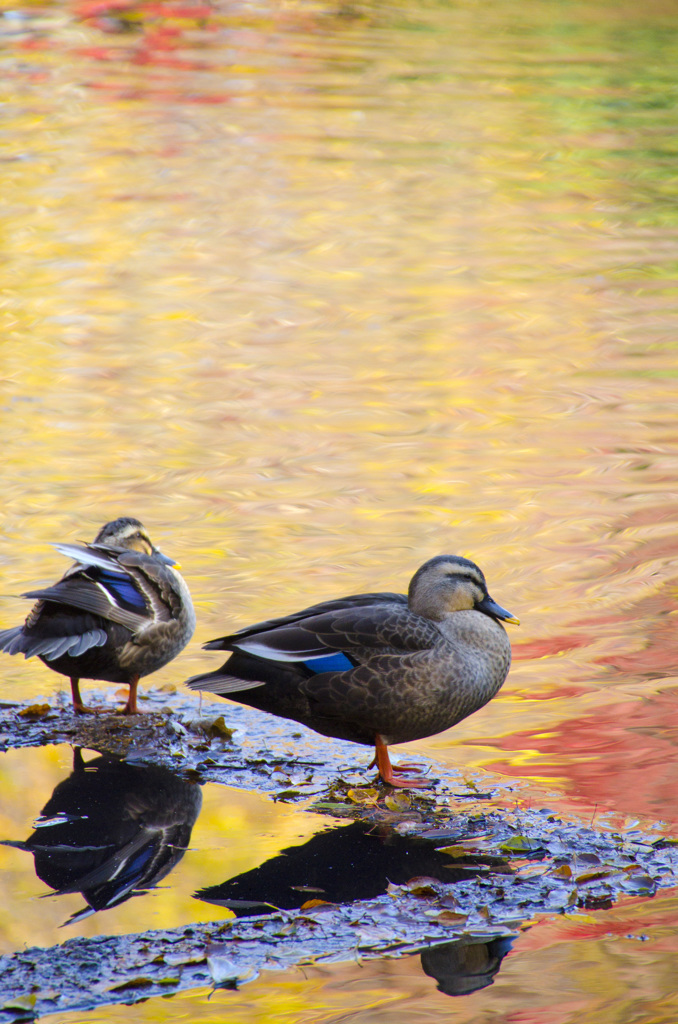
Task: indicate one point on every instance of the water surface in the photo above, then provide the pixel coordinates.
(321, 291)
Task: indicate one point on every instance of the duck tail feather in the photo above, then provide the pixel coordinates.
(216, 682)
(12, 640)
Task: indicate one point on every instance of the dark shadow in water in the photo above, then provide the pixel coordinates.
(341, 865)
(112, 830)
(357, 862)
(465, 966)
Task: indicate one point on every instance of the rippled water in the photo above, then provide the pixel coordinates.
(321, 291)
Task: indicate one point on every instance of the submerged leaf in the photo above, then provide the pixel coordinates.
(363, 796)
(339, 810)
(398, 801)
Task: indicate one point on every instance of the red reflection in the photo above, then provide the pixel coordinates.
(622, 757)
(550, 646)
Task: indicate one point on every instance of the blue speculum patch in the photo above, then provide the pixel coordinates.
(122, 588)
(329, 663)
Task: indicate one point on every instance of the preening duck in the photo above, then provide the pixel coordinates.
(121, 612)
(375, 668)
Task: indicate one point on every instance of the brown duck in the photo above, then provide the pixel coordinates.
(121, 612)
(375, 668)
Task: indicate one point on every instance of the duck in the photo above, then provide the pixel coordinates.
(119, 613)
(378, 668)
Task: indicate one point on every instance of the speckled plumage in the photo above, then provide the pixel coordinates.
(415, 665)
(120, 613)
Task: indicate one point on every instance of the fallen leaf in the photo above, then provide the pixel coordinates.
(423, 886)
(450, 917)
(35, 711)
(226, 972)
(454, 851)
(592, 876)
(138, 982)
(519, 844)
(21, 1003)
(219, 728)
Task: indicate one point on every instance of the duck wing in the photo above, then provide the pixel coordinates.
(156, 583)
(353, 633)
(122, 586)
(332, 636)
(109, 596)
(353, 601)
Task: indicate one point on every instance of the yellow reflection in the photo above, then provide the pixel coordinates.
(612, 965)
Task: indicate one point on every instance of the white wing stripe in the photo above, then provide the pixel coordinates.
(85, 557)
(270, 653)
(109, 596)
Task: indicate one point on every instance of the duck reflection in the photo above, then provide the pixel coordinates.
(340, 865)
(466, 965)
(112, 830)
(357, 862)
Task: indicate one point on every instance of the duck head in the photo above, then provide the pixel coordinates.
(129, 533)
(450, 583)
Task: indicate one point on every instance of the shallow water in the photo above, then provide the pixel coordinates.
(615, 968)
(321, 291)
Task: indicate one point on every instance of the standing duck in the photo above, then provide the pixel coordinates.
(119, 613)
(376, 668)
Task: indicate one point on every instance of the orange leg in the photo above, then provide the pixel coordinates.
(387, 771)
(130, 707)
(78, 706)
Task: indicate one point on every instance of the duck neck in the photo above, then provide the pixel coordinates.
(472, 628)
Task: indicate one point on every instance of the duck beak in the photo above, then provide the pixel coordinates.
(164, 559)
(490, 607)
